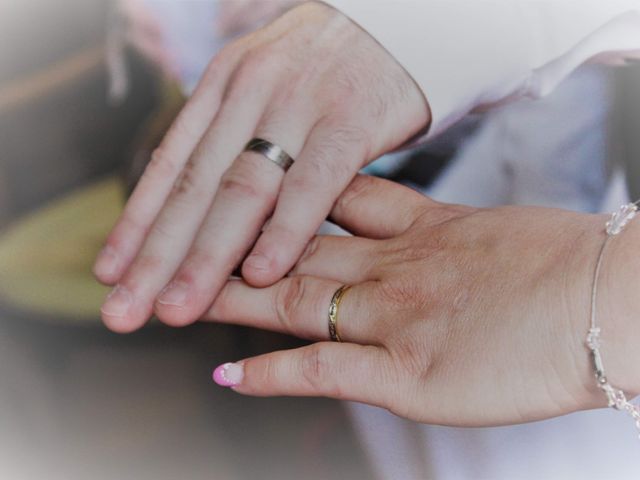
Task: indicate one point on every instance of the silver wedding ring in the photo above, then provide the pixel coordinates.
(270, 151)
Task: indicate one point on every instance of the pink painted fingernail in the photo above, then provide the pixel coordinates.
(229, 375)
(107, 261)
(174, 294)
(118, 302)
(257, 261)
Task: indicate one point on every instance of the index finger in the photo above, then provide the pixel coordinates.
(167, 162)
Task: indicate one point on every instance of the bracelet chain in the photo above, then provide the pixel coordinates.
(616, 397)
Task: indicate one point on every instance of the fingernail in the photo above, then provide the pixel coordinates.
(229, 375)
(174, 294)
(107, 261)
(118, 302)
(257, 261)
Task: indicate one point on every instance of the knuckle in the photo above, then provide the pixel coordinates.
(288, 301)
(345, 142)
(150, 262)
(317, 373)
(162, 230)
(355, 89)
(438, 219)
(322, 169)
(412, 358)
(227, 54)
(239, 182)
(256, 64)
(336, 156)
(402, 251)
(309, 252)
(188, 183)
(268, 373)
(161, 165)
(403, 293)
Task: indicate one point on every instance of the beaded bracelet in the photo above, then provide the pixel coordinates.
(616, 397)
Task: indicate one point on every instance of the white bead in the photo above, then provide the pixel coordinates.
(621, 218)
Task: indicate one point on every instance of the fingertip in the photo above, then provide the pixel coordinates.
(174, 306)
(104, 279)
(273, 256)
(260, 271)
(107, 268)
(229, 375)
(174, 316)
(119, 324)
(121, 313)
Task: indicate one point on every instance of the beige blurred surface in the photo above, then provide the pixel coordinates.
(46, 256)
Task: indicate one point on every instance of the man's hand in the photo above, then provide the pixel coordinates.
(313, 83)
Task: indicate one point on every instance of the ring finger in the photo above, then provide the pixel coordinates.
(299, 306)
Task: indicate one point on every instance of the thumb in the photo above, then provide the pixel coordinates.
(376, 208)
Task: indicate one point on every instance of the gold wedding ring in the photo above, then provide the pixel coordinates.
(333, 313)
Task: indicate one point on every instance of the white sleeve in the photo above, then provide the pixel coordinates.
(472, 54)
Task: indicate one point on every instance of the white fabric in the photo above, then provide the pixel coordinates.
(467, 54)
(189, 36)
(551, 152)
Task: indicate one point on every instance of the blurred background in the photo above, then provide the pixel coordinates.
(87, 89)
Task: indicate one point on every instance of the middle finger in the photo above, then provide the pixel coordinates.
(244, 200)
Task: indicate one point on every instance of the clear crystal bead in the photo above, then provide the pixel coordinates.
(621, 218)
(593, 339)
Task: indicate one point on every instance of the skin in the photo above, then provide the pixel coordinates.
(314, 83)
(237, 16)
(457, 315)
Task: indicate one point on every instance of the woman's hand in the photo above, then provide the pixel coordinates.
(312, 82)
(457, 315)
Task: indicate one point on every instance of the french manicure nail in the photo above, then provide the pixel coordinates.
(258, 261)
(118, 302)
(174, 294)
(229, 375)
(107, 261)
